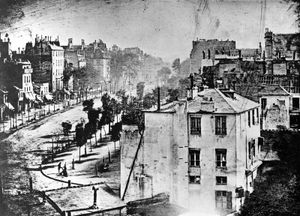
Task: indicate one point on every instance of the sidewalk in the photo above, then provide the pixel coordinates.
(35, 114)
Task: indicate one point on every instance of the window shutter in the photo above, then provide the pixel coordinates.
(229, 200)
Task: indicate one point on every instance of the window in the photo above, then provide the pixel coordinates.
(195, 125)
(208, 54)
(203, 55)
(249, 119)
(221, 180)
(194, 179)
(220, 125)
(251, 150)
(194, 157)
(224, 199)
(295, 103)
(263, 103)
(253, 117)
(257, 115)
(221, 158)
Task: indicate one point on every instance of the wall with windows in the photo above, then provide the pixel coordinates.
(275, 111)
(216, 143)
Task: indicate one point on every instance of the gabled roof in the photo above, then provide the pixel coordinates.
(215, 101)
(272, 90)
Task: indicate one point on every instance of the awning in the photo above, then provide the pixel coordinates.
(29, 96)
(9, 106)
(48, 97)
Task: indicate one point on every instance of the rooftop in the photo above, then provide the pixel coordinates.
(55, 47)
(273, 90)
(211, 101)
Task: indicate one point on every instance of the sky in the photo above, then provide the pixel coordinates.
(163, 28)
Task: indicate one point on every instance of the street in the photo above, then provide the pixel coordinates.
(24, 150)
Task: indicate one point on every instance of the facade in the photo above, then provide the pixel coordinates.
(47, 59)
(275, 107)
(203, 152)
(204, 51)
(93, 56)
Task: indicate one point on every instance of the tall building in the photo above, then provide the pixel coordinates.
(47, 58)
(5, 47)
(203, 152)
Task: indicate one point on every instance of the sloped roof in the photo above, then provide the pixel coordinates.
(54, 47)
(272, 90)
(222, 102)
(212, 101)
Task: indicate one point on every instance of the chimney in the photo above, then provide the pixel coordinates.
(158, 98)
(70, 42)
(194, 92)
(19, 50)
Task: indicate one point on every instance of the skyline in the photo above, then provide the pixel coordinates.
(162, 28)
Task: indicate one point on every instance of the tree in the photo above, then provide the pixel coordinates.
(163, 74)
(176, 66)
(277, 191)
(173, 95)
(140, 90)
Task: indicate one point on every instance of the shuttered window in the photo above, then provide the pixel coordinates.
(220, 125)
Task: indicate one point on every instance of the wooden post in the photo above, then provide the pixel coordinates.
(69, 183)
(91, 147)
(79, 152)
(96, 138)
(52, 155)
(109, 156)
(73, 164)
(1, 189)
(95, 197)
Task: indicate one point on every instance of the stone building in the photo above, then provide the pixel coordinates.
(203, 152)
(204, 51)
(47, 58)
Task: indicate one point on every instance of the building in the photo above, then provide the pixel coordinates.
(275, 107)
(279, 46)
(203, 152)
(204, 51)
(94, 57)
(47, 58)
(18, 82)
(5, 48)
(6, 108)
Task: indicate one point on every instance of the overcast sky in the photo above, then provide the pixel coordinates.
(163, 28)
